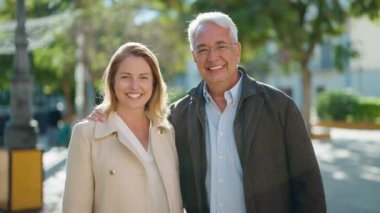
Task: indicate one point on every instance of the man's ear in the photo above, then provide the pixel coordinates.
(238, 51)
(194, 58)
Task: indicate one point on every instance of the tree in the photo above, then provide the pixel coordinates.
(297, 26)
(48, 57)
(106, 25)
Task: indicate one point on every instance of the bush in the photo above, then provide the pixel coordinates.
(336, 105)
(345, 106)
(368, 110)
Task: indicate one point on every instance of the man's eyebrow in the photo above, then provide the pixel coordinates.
(218, 42)
(221, 42)
(201, 45)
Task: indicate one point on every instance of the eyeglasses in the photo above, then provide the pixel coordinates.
(220, 48)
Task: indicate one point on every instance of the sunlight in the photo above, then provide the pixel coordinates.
(370, 173)
(339, 175)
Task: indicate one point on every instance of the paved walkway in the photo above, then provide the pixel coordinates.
(350, 166)
(54, 167)
(349, 162)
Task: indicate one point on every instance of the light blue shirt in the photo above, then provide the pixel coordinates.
(224, 177)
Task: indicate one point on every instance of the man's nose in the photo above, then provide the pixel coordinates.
(212, 54)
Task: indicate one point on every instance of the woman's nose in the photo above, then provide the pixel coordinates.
(134, 84)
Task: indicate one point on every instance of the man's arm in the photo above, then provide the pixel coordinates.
(305, 178)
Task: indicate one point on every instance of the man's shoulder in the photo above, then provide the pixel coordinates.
(271, 90)
(252, 86)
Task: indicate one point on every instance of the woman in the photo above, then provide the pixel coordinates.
(128, 163)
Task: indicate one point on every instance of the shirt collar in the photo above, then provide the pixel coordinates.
(233, 94)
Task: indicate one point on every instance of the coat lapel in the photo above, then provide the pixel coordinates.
(161, 138)
(197, 139)
(109, 128)
(250, 106)
(246, 128)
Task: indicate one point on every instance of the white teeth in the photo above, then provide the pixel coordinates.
(215, 68)
(134, 95)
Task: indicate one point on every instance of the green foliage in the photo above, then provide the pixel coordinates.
(365, 7)
(6, 62)
(346, 106)
(368, 110)
(56, 62)
(175, 94)
(34, 8)
(336, 105)
(342, 55)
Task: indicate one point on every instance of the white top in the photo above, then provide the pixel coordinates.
(158, 201)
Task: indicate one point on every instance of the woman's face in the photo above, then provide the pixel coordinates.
(133, 84)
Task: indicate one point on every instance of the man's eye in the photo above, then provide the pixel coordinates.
(202, 50)
(221, 47)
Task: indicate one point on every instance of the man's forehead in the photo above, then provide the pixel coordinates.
(207, 33)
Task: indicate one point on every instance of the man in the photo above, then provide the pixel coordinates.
(242, 145)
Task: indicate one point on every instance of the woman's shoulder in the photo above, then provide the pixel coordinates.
(83, 124)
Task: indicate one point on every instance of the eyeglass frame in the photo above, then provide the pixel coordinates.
(219, 48)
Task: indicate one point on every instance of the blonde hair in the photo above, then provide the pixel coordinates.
(218, 18)
(157, 105)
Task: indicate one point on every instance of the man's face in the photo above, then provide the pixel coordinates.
(217, 56)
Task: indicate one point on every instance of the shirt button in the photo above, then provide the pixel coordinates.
(221, 134)
(220, 180)
(220, 156)
(221, 204)
(112, 171)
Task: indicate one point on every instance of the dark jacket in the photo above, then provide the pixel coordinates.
(280, 170)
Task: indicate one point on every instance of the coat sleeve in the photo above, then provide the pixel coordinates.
(306, 186)
(79, 186)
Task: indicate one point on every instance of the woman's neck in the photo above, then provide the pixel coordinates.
(133, 118)
(138, 123)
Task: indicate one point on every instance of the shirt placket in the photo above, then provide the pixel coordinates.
(220, 157)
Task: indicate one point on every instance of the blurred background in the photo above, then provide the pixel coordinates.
(322, 53)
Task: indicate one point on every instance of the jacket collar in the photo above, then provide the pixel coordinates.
(103, 129)
(249, 87)
(109, 127)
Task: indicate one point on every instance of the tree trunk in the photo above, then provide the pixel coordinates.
(67, 94)
(306, 83)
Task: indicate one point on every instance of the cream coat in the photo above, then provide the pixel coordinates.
(105, 176)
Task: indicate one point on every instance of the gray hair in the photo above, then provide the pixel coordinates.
(218, 18)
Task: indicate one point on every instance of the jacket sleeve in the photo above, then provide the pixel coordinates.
(306, 186)
(79, 186)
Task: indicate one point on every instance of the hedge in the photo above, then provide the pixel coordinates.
(347, 106)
